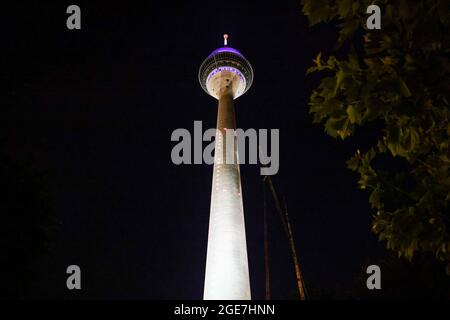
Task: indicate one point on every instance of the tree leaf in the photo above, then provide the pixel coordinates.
(353, 114)
(404, 88)
(317, 11)
(333, 125)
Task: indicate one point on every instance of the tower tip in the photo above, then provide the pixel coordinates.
(225, 39)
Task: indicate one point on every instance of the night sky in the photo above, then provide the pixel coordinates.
(93, 111)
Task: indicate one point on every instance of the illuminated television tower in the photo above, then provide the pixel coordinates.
(226, 75)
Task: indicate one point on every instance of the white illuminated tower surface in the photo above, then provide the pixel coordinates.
(226, 74)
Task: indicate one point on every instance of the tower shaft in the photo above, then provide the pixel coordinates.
(227, 275)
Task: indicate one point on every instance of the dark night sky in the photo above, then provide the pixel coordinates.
(94, 110)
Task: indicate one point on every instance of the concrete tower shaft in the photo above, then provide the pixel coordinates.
(226, 75)
(227, 275)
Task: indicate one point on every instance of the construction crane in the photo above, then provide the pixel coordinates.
(284, 217)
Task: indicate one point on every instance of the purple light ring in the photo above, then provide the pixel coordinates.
(234, 70)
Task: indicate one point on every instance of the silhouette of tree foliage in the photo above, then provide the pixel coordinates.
(398, 77)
